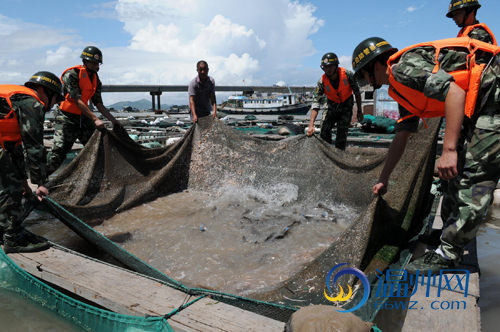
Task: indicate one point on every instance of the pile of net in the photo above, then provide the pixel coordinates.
(113, 174)
(377, 124)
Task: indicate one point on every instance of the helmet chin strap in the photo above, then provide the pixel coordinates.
(90, 70)
(371, 75)
(468, 11)
(49, 94)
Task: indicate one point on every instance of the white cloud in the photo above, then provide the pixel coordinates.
(102, 10)
(14, 63)
(345, 61)
(261, 42)
(62, 53)
(413, 8)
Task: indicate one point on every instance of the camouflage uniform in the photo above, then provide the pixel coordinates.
(69, 126)
(340, 114)
(480, 34)
(31, 115)
(468, 195)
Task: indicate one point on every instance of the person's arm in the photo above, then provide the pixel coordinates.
(104, 111)
(454, 106)
(31, 116)
(318, 95)
(311, 129)
(360, 110)
(357, 94)
(396, 150)
(193, 110)
(88, 113)
(213, 100)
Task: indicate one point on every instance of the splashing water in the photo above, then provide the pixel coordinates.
(250, 237)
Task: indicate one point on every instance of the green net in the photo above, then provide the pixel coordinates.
(378, 124)
(88, 317)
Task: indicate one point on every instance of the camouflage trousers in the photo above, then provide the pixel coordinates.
(11, 194)
(467, 197)
(341, 117)
(68, 128)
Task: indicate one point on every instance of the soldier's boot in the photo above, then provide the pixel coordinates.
(430, 261)
(26, 242)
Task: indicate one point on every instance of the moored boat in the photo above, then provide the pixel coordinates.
(289, 103)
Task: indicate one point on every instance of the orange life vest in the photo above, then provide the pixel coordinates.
(468, 79)
(9, 127)
(464, 32)
(87, 87)
(344, 91)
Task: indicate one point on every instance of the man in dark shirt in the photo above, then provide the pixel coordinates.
(202, 93)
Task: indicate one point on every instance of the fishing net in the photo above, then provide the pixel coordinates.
(113, 174)
(85, 316)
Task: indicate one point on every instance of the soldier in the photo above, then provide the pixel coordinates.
(464, 15)
(22, 113)
(338, 85)
(73, 118)
(428, 88)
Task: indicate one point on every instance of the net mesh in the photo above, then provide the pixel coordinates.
(86, 316)
(113, 174)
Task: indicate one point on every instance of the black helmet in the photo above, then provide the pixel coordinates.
(368, 50)
(329, 59)
(459, 4)
(49, 81)
(92, 53)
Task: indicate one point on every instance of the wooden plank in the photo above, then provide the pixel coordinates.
(432, 319)
(436, 314)
(127, 293)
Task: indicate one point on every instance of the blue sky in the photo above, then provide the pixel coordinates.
(263, 42)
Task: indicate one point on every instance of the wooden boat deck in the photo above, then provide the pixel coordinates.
(128, 293)
(432, 313)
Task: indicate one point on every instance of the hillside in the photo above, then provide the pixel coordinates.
(142, 104)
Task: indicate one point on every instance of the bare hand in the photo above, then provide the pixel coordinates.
(41, 192)
(215, 115)
(99, 124)
(310, 131)
(195, 118)
(360, 116)
(27, 189)
(447, 166)
(380, 189)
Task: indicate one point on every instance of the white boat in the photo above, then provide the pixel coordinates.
(263, 103)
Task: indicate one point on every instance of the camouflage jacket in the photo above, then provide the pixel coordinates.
(319, 96)
(71, 84)
(30, 115)
(414, 70)
(480, 34)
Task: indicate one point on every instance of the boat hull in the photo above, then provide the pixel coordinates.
(302, 109)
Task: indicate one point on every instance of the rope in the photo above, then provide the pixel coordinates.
(184, 305)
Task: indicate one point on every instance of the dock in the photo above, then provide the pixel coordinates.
(455, 310)
(129, 293)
